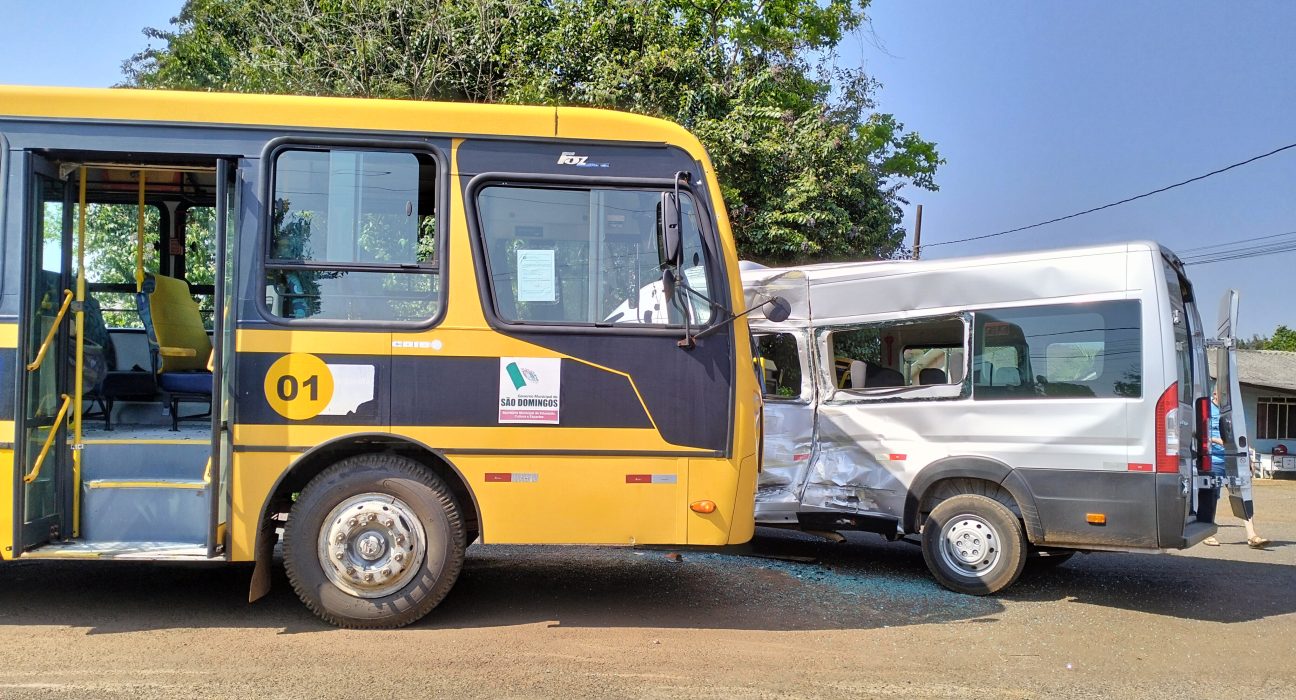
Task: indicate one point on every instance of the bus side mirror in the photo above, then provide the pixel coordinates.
(777, 310)
(672, 250)
(668, 284)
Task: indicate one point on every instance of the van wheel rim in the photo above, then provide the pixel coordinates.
(371, 545)
(970, 545)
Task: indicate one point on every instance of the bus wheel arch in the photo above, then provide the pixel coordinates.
(315, 461)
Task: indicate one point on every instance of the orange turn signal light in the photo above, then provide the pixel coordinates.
(1096, 518)
(702, 507)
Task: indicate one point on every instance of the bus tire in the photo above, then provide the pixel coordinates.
(374, 542)
(973, 544)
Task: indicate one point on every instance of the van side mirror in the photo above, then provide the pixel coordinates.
(672, 249)
(777, 310)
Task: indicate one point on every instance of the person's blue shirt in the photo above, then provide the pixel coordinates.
(1217, 448)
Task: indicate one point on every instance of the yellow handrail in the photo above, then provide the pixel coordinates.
(49, 337)
(49, 440)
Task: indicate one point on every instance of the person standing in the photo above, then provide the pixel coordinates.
(1208, 499)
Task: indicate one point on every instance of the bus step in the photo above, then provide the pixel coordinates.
(145, 510)
(133, 460)
(149, 551)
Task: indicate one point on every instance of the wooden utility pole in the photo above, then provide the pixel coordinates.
(918, 233)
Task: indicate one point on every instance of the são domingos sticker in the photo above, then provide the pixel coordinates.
(529, 389)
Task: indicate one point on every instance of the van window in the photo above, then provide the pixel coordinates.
(1183, 332)
(878, 359)
(946, 358)
(780, 364)
(1059, 351)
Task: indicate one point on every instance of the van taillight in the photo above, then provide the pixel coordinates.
(1167, 430)
(1203, 434)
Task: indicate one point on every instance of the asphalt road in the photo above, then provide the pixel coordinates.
(862, 619)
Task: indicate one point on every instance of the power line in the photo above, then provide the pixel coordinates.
(1276, 243)
(1127, 200)
(1232, 243)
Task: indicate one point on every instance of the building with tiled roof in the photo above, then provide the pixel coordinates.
(1268, 380)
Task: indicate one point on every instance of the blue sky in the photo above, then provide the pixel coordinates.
(1041, 109)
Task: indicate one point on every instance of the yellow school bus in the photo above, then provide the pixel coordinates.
(384, 329)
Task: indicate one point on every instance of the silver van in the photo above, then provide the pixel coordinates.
(1001, 408)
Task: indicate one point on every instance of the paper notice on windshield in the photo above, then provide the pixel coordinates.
(536, 273)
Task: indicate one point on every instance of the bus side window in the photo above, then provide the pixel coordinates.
(353, 236)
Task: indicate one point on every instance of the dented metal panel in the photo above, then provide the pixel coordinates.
(789, 439)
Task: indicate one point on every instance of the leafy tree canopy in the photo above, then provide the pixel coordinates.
(1283, 338)
(809, 169)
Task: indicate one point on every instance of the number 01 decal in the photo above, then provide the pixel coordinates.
(298, 386)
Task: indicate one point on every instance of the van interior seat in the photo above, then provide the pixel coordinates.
(858, 374)
(885, 376)
(866, 375)
(1007, 376)
(932, 375)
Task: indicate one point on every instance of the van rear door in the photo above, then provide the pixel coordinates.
(1176, 495)
(1233, 428)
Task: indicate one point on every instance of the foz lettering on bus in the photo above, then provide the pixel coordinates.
(529, 389)
(570, 158)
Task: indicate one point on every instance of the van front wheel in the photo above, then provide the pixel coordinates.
(973, 544)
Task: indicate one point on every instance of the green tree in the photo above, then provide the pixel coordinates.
(1283, 338)
(111, 243)
(1256, 342)
(808, 168)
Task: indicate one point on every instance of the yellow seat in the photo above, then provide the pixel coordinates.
(180, 345)
(174, 324)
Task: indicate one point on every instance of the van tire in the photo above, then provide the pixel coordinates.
(383, 514)
(973, 544)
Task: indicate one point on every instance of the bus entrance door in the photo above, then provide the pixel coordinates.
(45, 398)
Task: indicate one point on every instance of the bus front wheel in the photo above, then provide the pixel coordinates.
(973, 544)
(374, 541)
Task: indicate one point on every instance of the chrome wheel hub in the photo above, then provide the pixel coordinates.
(371, 545)
(970, 545)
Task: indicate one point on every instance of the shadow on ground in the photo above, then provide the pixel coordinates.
(862, 584)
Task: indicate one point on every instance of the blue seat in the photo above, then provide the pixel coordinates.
(116, 384)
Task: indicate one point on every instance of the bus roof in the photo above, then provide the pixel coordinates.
(403, 116)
